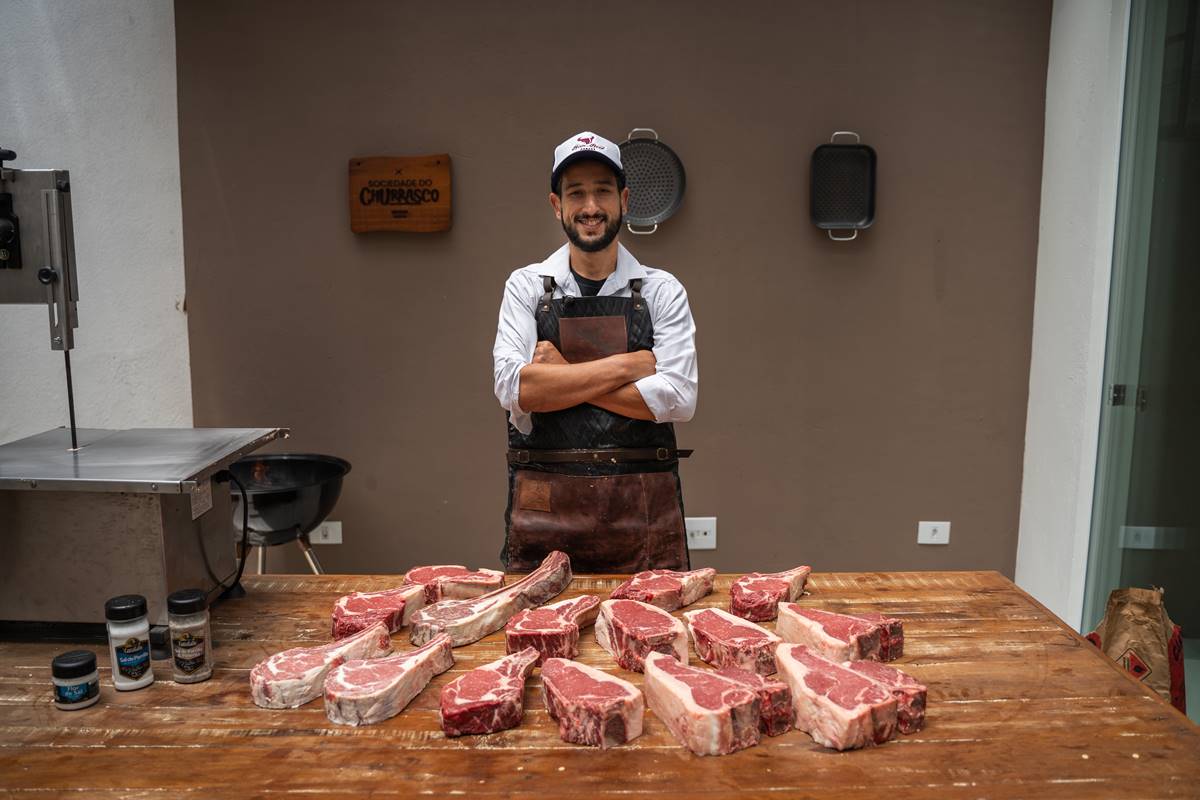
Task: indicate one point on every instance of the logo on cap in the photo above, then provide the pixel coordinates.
(586, 139)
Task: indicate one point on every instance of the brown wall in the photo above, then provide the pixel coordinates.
(847, 390)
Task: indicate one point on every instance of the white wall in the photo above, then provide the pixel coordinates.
(1084, 91)
(90, 87)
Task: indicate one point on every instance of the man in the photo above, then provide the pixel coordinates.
(595, 357)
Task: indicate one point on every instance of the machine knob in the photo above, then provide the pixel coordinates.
(47, 275)
(8, 231)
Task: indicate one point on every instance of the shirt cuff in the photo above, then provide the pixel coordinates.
(657, 394)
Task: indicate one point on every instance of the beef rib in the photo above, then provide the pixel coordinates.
(709, 714)
(757, 596)
(838, 637)
(469, 621)
(629, 630)
(667, 588)
(454, 582)
(293, 677)
(724, 640)
(591, 706)
(363, 692)
(891, 635)
(393, 607)
(488, 698)
(837, 707)
(552, 630)
(910, 693)
(775, 710)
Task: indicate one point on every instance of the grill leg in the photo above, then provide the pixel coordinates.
(309, 555)
(262, 560)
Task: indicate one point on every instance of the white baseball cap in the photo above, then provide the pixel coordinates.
(585, 145)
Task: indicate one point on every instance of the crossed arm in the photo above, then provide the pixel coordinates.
(550, 383)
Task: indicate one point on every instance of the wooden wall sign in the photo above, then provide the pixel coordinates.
(400, 193)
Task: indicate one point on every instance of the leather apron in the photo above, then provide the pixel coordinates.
(610, 515)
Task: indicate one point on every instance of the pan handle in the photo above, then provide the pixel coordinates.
(849, 238)
(836, 134)
(642, 130)
(640, 233)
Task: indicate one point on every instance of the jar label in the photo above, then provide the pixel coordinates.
(77, 693)
(133, 657)
(188, 651)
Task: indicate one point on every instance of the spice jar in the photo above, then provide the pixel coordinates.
(191, 639)
(129, 642)
(76, 681)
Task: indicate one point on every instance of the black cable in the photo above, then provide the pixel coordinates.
(221, 586)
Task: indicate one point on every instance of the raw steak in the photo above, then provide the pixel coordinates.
(757, 596)
(469, 621)
(724, 640)
(711, 715)
(591, 706)
(362, 692)
(629, 630)
(454, 582)
(488, 698)
(891, 635)
(667, 588)
(393, 607)
(293, 677)
(552, 630)
(908, 691)
(837, 707)
(838, 637)
(776, 712)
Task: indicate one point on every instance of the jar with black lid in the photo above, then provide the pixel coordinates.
(191, 637)
(76, 680)
(129, 642)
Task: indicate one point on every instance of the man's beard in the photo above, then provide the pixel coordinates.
(610, 233)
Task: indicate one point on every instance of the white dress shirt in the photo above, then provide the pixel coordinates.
(670, 393)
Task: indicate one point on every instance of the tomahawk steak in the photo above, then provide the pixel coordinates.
(775, 710)
(838, 637)
(488, 698)
(630, 630)
(891, 635)
(552, 630)
(293, 677)
(837, 707)
(724, 640)
(909, 692)
(469, 621)
(667, 588)
(363, 692)
(591, 706)
(756, 596)
(709, 714)
(454, 582)
(359, 610)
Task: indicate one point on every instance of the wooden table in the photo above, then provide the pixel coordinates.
(1019, 706)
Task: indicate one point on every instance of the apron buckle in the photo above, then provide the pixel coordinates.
(522, 456)
(662, 454)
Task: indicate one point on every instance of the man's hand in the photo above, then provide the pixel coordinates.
(547, 353)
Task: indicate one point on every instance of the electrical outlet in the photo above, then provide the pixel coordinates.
(933, 533)
(327, 533)
(701, 533)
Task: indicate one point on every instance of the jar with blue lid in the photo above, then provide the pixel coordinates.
(76, 680)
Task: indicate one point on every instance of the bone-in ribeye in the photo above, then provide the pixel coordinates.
(724, 640)
(469, 621)
(360, 610)
(910, 693)
(707, 712)
(293, 677)
(630, 630)
(667, 588)
(837, 707)
(454, 582)
(775, 709)
(363, 692)
(488, 698)
(591, 706)
(838, 637)
(552, 630)
(756, 596)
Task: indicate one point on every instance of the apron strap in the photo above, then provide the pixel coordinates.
(548, 291)
(635, 290)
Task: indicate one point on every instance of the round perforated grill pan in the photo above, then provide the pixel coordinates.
(655, 178)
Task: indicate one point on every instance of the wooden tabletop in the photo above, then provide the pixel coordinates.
(1019, 706)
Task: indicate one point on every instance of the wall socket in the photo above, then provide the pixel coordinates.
(933, 533)
(701, 533)
(326, 533)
